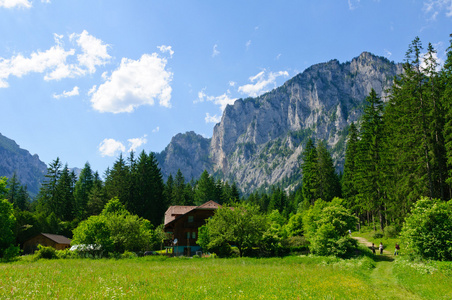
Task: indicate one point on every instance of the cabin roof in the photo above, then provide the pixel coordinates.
(59, 239)
(176, 211)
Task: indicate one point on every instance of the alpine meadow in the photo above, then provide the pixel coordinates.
(334, 182)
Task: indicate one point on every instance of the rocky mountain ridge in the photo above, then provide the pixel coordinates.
(259, 140)
(30, 170)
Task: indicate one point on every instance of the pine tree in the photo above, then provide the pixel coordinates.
(64, 196)
(446, 81)
(46, 197)
(179, 196)
(349, 189)
(309, 169)
(369, 163)
(205, 189)
(117, 181)
(327, 181)
(83, 188)
(96, 198)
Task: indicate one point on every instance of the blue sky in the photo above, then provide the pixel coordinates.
(86, 80)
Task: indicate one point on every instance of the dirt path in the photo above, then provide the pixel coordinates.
(382, 279)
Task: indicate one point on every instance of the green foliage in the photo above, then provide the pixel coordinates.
(115, 230)
(428, 229)
(326, 227)
(7, 226)
(294, 226)
(241, 225)
(45, 252)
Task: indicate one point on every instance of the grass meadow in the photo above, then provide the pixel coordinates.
(304, 277)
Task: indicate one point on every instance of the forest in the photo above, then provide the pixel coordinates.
(398, 166)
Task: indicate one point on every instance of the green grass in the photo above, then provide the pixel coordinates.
(304, 277)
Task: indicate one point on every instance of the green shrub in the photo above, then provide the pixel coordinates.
(390, 232)
(45, 252)
(128, 254)
(428, 230)
(66, 253)
(378, 235)
(11, 253)
(297, 243)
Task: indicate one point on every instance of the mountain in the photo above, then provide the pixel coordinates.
(30, 170)
(259, 140)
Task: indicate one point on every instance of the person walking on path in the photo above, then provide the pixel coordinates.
(373, 248)
(397, 248)
(381, 248)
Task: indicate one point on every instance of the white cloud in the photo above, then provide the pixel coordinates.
(156, 129)
(222, 100)
(111, 147)
(94, 51)
(165, 49)
(212, 119)
(54, 61)
(135, 83)
(137, 142)
(15, 3)
(278, 56)
(353, 4)
(261, 82)
(215, 51)
(65, 94)
(387, 53)
(232, 83)
(92, 90)
(248, 44)
(434, 7)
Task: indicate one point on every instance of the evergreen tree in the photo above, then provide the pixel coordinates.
(96, 198)
(46, 198)
(205, 189)
(179, 196)
(349, 188)
(117, 181)
(13, 186)
(64, 196)
(369, 163)
(169, 189)
(327, 182)
(446, 81)
(83, 188)
(309, 169)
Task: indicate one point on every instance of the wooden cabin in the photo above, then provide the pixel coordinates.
(182, 222)
(56, 241)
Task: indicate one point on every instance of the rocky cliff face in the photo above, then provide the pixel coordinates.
(259, 140)
(29, 168)
(188, 152)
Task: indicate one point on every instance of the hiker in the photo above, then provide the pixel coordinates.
(381, 248)
(373, 248)
(350, 232)
(397, 248)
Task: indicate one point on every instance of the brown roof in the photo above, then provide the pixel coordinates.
(173, 212)
(210, 205)
(59, 239)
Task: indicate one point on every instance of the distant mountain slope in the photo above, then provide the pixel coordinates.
(29, 169)
(259, 140)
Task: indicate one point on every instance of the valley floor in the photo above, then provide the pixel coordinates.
(294, 277)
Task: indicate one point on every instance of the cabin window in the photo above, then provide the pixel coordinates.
(193, 235)
(190, 219)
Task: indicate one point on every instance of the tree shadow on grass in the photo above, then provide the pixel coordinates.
(384, 257)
